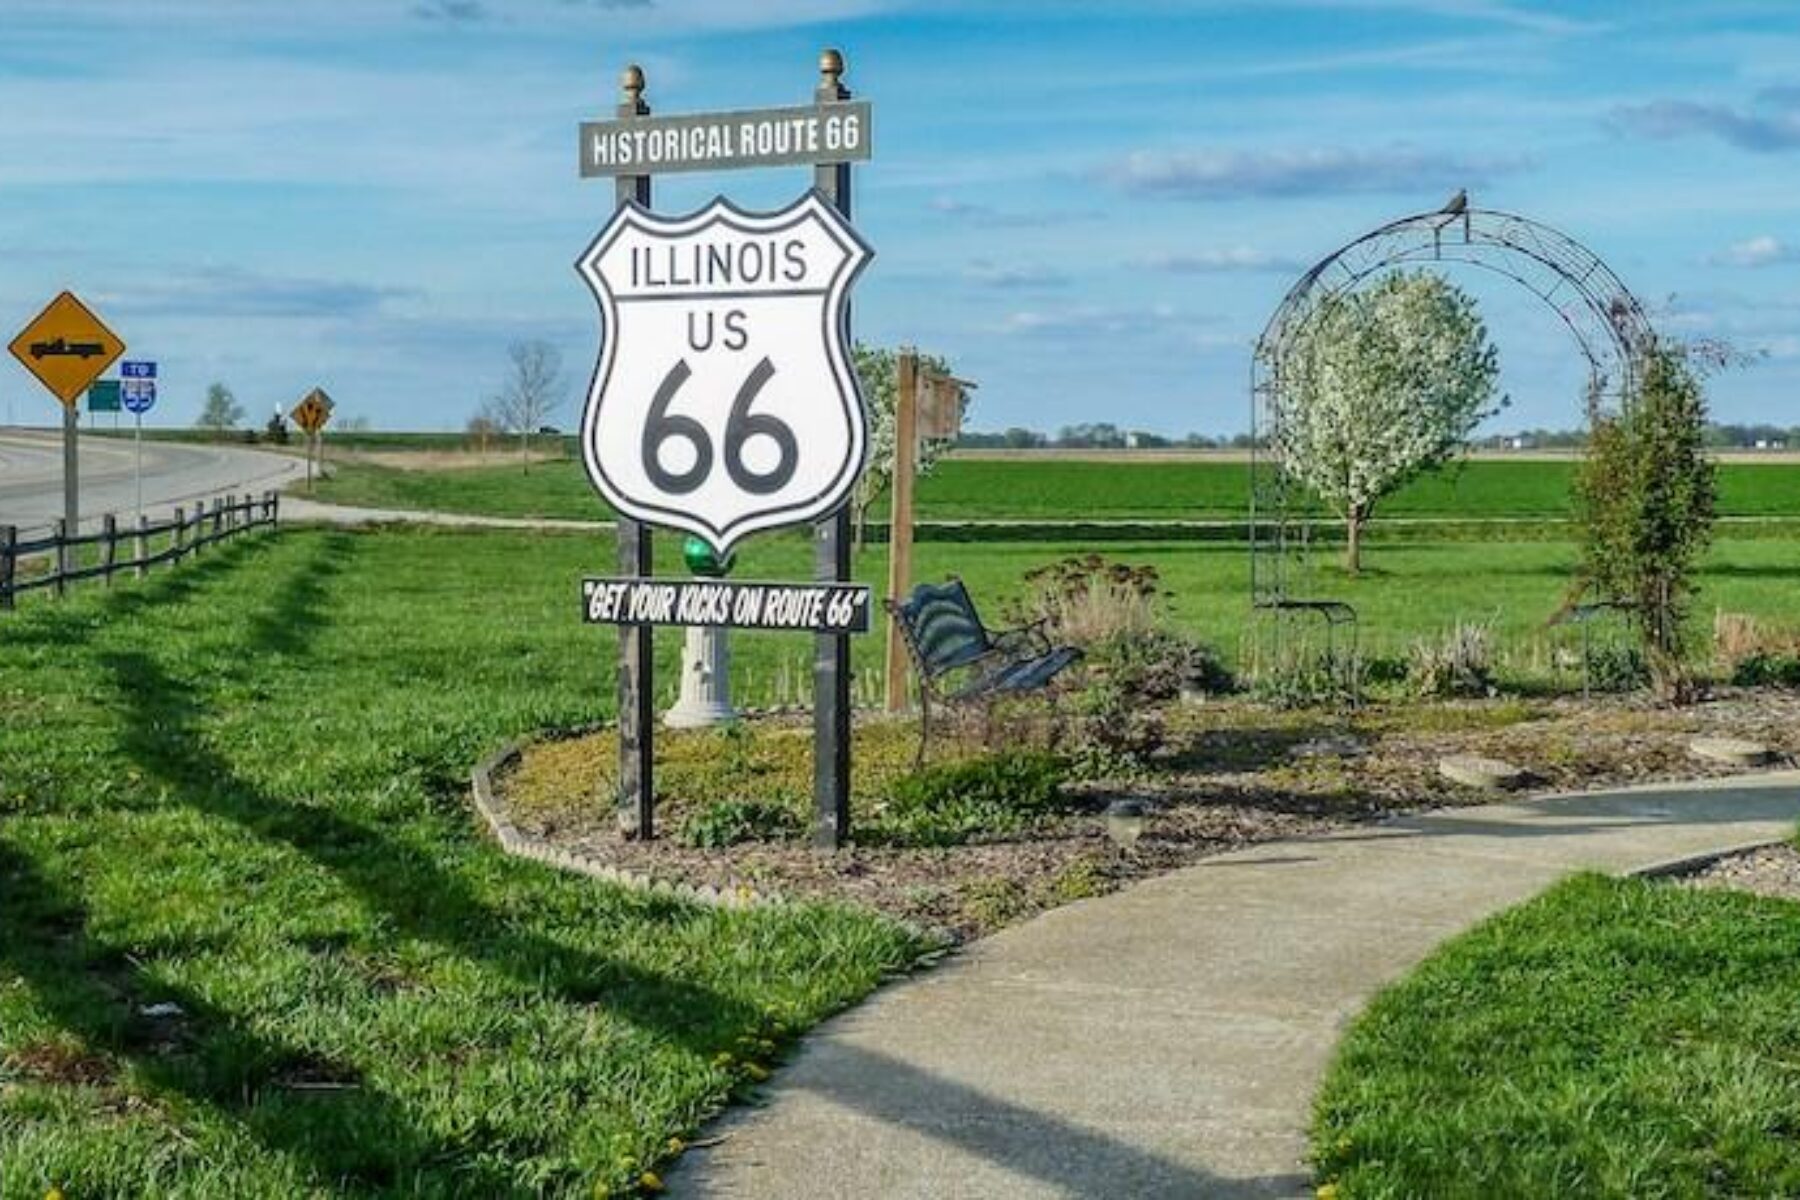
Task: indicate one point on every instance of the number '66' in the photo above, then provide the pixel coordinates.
(660, 427)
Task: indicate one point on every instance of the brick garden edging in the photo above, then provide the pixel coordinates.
(524, 845)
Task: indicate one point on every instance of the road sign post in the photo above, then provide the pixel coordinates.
(725, 401)
(137, 392)
(635, 804)
(67, 347)
(311, 415)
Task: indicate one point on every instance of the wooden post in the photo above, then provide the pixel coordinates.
(109, 529)
(9, 541)
(65, 556)
(831, 561)
(141, 552)
(636, 812)
(218, 516)
(274, 509)
(900, 520)
(176, 535)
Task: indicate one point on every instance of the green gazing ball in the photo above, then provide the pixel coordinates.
(703, 560)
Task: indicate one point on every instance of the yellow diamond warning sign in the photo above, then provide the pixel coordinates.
(67, 348)
(312, 413)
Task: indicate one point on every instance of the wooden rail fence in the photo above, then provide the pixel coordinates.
(187, 532)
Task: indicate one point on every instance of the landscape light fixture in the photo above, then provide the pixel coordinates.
(1125, 820)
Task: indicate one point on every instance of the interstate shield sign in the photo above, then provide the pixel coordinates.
(724, 401)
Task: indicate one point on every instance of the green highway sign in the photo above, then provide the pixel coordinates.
(103, 396)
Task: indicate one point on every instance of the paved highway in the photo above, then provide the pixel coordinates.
(31, 481)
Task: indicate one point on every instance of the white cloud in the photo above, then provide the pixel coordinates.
(1236, 174)
(1011, 275)
(1765, 250)
(1230, 258)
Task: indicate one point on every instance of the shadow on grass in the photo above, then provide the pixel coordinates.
(45, 622)
(352, 1134)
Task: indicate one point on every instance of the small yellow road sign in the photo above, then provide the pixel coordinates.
(312, 413)
(67, 348)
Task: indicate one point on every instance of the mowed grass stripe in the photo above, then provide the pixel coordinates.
(1062, 490)
(238, 789)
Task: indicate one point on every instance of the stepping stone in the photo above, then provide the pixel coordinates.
(1486, 774)
(1733, 752)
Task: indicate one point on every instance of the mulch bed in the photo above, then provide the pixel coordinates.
(1228, 774)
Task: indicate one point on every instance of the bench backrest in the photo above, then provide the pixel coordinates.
(942, 627)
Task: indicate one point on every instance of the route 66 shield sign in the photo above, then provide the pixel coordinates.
(724, 401)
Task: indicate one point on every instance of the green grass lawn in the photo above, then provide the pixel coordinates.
(1611, 1038)
(239, 789)
(1409, 589)
(1055, 489)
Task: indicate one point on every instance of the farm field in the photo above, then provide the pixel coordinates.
(253, 944)
(1062, 489)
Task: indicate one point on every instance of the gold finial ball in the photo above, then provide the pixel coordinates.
(631, 79)
(831, 64)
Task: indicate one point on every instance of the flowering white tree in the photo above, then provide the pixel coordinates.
(876, 371)
(1381, 385)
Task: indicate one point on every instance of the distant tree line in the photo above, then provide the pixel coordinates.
(1103, 436)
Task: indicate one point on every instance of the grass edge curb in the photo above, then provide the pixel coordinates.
(1688, 864)
(523, 845)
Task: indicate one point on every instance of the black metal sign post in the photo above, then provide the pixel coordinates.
(716, 262)
(637, 644)
(831, 561)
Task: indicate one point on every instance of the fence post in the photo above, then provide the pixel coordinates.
(64, 560)
(142, 549)
(178, 534)
(218, 516)
(274, 508)
(109, 529)
(9, 538)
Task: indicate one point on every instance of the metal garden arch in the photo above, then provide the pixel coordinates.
(1608, 324)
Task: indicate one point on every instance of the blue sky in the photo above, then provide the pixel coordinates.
(1090, 209)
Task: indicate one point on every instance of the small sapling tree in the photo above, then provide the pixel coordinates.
(1646, 496)
(1382, 385)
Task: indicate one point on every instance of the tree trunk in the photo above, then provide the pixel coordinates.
(525, 449)
(1353, 525)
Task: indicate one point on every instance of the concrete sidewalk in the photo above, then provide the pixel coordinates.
(1168, 1040)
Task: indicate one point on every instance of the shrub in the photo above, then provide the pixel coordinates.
(1755, 655)
(1458, 664)
(1767, 670)
(1085, 601)
(728, 822)
(1156, 664)
(952, 803)
(1616, 668)
(1113, 732)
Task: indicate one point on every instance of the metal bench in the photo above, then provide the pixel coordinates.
(960, 661)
